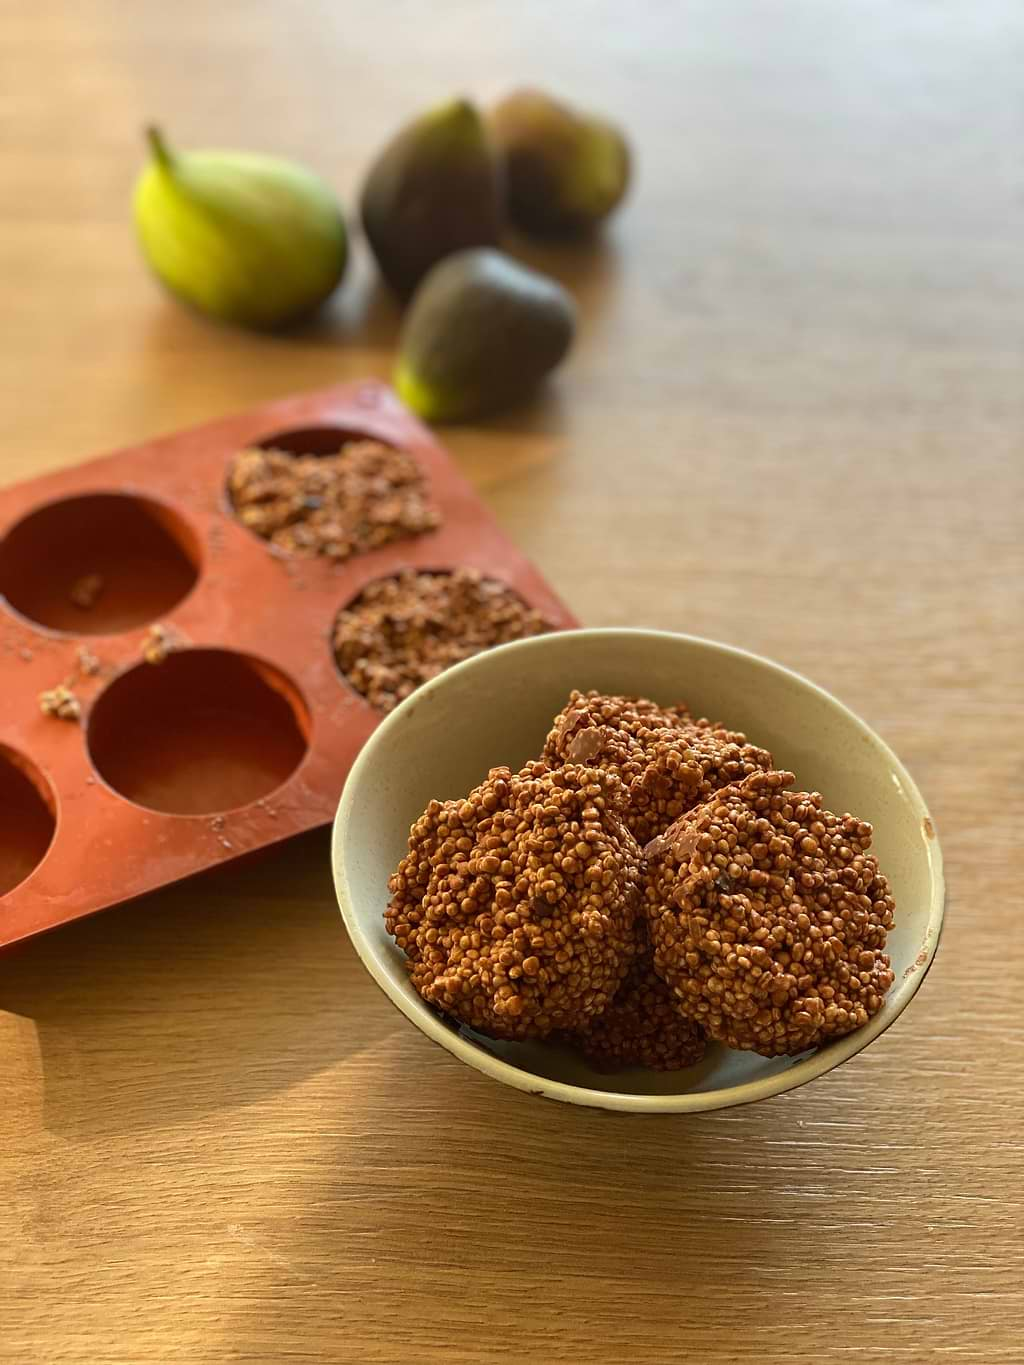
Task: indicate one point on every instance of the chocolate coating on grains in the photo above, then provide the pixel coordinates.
(769, 917)
(668, 761)
(685, 768)
(517, 906)
(643, 1025)
(402, 631)
(365, 496)
(615, 730)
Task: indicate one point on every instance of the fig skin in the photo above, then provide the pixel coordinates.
(480, 334)
(434, 189)
(565, 169)
(246, 239)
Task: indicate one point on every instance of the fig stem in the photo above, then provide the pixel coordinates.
(161, 152)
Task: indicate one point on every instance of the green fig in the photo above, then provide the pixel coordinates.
(565, 170)
(434, 189)
(245, 239)
(481, 332)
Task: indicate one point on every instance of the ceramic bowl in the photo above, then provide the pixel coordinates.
(497, 708)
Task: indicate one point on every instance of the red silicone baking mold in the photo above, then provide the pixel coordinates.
(214, 720)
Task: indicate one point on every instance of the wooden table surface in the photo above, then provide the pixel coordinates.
(792, 422)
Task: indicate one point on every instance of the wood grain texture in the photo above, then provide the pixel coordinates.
(793, 422)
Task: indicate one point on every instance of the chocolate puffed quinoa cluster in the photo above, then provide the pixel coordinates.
(516, 907)
(769, 917)
(746, 914)
(642, 1026)
(667, 761)
(365, 496)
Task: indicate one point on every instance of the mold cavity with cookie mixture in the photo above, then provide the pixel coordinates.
(328, 492)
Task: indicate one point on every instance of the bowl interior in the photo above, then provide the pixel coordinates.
(497, 708)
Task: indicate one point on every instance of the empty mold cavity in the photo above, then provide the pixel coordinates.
(329, 492)
(204, 732)
(98, 563)
(27, 818)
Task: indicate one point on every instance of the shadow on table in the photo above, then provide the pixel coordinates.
(530, 1202)
(365, 313)
(211, 995)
